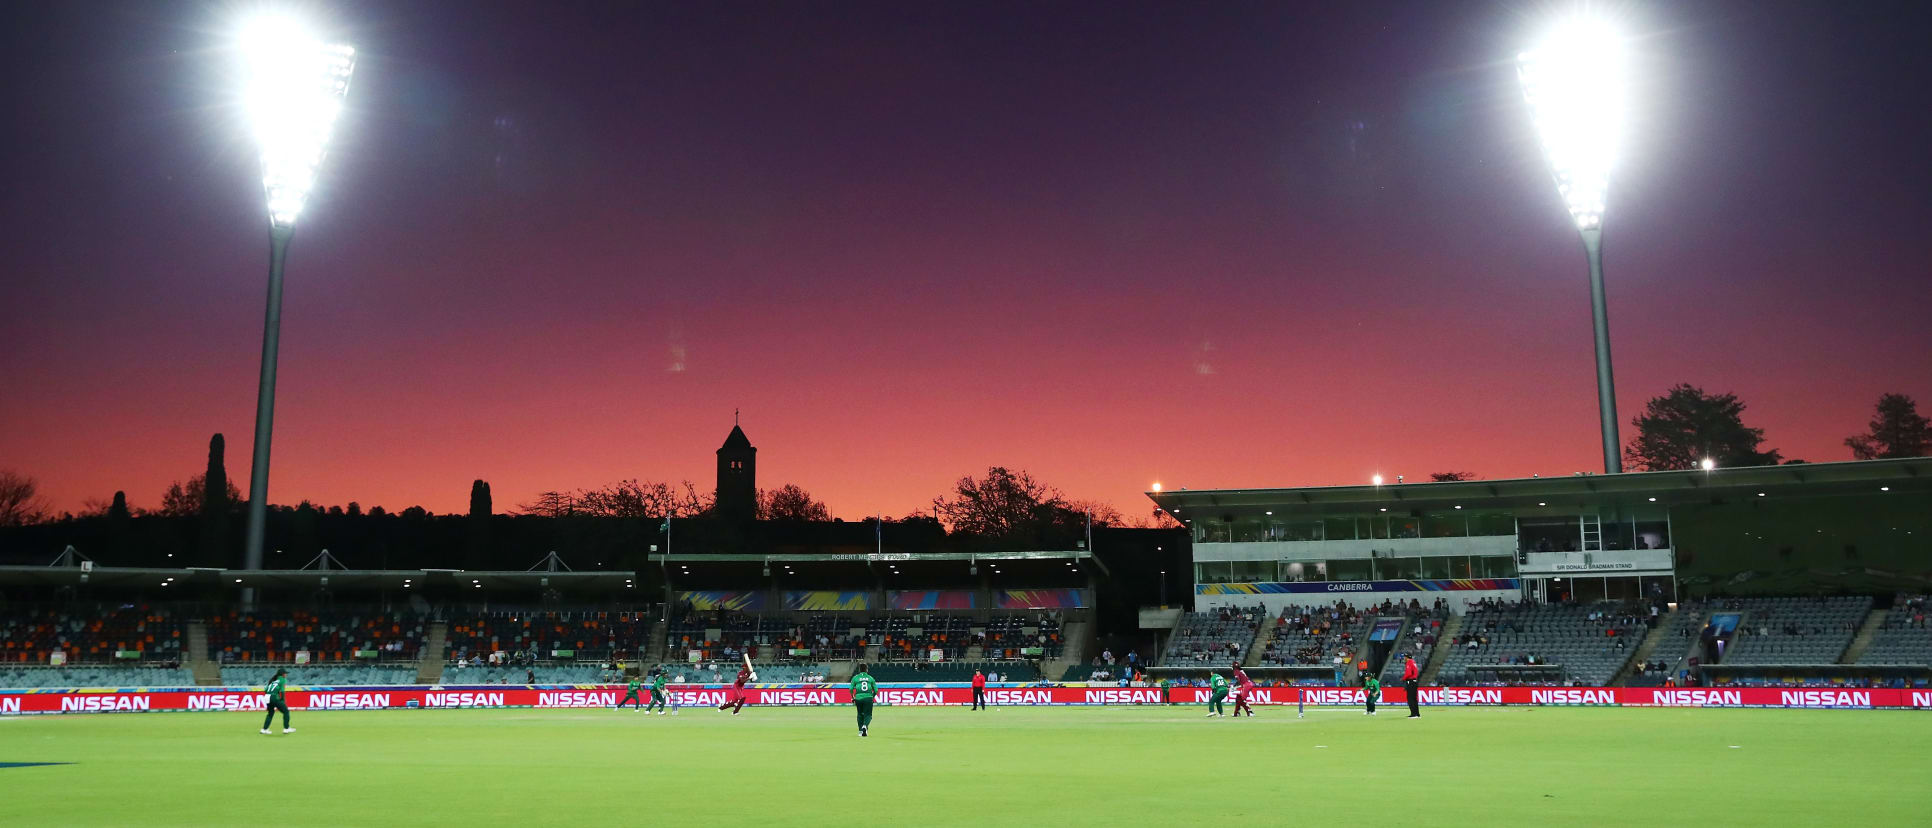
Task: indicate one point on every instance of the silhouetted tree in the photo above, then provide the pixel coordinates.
(214, 481)
(1102, 514)
(480, 499)
(790, 502)
(20, 502)
(215, 505)
(1897, 430)
(355, 509)
(1684, 426)
(1002, 504)
(477, 547)
(1451, 476)
(184, 499)
(626, 499)
(118, 510)
(550, 504)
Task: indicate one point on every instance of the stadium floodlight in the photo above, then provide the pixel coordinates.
(293, 85)
(1376, 480)
(1575, 82)
(1708, 464)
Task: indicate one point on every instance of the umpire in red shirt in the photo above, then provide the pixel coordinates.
(979, 690)
(1411, 676)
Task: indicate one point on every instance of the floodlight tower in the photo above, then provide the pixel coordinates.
(293, 90)
(1575, 84)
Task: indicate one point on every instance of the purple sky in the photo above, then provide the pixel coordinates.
(1210, 244)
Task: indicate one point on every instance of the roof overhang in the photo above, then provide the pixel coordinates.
(1867, 477)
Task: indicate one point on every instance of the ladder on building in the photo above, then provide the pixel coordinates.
(1592, 533)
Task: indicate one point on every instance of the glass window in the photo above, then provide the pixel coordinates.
(1495, 566)
(1436, 566)
(1653, 534)
(1212, 572)
(1302, 571)
(1250, 530)
(1302, 530)
(1338, 529)
(1372, 527)
(1491, 523)
(1549, 534)
(1461, 566)
(1405, 527)
(1398, 569)
(1349, 570)
(1251, 572)
(1444, 525)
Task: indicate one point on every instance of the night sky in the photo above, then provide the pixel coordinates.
(1210, 244)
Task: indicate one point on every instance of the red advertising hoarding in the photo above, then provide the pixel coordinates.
(588, 696)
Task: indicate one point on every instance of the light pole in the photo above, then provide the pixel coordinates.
(293, 90)
(1574, 81)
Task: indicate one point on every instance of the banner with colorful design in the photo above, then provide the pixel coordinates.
(824, 600)
(715, 599)
(934, 599)
(1430, 585)
(1042, 598)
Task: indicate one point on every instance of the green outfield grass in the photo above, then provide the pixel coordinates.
(923, 766)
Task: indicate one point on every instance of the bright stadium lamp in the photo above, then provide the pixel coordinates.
(1575, 82)
(292, 90)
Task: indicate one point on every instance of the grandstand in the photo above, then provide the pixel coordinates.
(1778, 631)
(1314, 636)
(264, 635)
(90, 675)
(90, 635)
(1525, 643)
(1218, 637)
(587, 634)
(1904, 637)
(1421, 635)
(321, 675)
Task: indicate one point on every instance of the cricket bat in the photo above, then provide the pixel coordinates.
(748, 668)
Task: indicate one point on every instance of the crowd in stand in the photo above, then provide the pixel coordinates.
(237, 636)
(27, 635)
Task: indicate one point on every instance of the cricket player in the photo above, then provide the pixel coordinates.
(1218, 684)
(277, 686)
(1371, 688)
(658, 693)
(863, 688)
(632, 695)
(1243, 687)
(736, 701)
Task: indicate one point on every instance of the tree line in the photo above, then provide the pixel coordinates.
(1677, 430)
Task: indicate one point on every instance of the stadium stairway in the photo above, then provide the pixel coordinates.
(1645, 648)
(207, 673)
(1259, 647)
(1450, 629)
(1863, 640)
(429, 668)
(659, 637)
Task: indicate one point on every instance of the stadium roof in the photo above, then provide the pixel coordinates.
(308, 578)
(1867, 477)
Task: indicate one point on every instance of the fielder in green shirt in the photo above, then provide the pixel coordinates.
(631, 695)
(276, 689)
(657, 692)
(1219, 684)
(1371, 688)
(863, 689)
